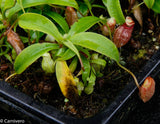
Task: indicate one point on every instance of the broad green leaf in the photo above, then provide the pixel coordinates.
(7, 4)
(156, 6)
(0, 2)
(31, 54)
(83, 25)
(114, 10)
(31, 3)
(97, 43)
(40, 23)
(149, 3)
(59, 19)
(87, 69)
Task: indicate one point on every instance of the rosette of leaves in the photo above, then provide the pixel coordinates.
(66, 47)
(72, 44)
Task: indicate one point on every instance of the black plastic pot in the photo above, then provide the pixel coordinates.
(32, 111)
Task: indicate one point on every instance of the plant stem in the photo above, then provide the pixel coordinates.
(22, 6)
(137, 5)
(134, 77)
(80, 13)
(110, 35)
(13, 24)
(10, 76)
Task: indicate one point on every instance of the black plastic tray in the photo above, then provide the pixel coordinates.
(116, 112)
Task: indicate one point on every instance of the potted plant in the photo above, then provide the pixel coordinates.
(51, 46)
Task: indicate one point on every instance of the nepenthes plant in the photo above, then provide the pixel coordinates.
(69, 39)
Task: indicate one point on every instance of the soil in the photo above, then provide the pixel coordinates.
(37, 84)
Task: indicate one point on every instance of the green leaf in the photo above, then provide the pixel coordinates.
(0, 3)
(156, 6)
(91, 82)
(2, 26)
(114, 10)
(31, 54)
(97, 43)
(49, 38)
(38, 22)
(31, 3)
(89, 6)
(59, 19)
(20, 3)
(84, 51)
(83, 9)
(80, 87)
(99, 61)
(73, 64)
(98, 6)
(35, 35)
(71, 46)
(1, 17)
(87, 69)
(149, 3)
(47, 64)
(6, 5)
(8, 57)
(5, 51)
(60, 51)
(68, 54)
(83, 25)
